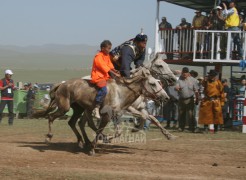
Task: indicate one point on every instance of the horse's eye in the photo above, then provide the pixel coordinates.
(153, 84)
(160, 66)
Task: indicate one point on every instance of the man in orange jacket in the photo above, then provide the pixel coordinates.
(102, 69)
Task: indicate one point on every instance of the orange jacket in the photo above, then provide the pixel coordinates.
(101, 66)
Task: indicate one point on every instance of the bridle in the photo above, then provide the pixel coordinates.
(149, 94)
(143, 88)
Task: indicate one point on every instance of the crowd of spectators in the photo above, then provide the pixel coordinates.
(197, 102)
(7, 88)
(226, 17)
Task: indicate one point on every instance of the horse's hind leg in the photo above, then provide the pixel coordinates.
(51, 118)
(77, 111)
(63, 108)
(85, 117)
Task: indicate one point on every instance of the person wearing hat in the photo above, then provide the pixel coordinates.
(7, 95)
(193, 73)
(165, 29)
(242, 23)
(183, 30)
(232, 22)
(25, 87)
(44, 102)
(184, 24)
(47, 88)
(216, 20)
(164, 24)
(130, 51)
(187, 91)
(199, 22)
(211, 105)
(30, 99)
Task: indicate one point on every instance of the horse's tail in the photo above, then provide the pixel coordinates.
(52, 105)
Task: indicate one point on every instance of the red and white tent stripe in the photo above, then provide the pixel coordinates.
(244, 114)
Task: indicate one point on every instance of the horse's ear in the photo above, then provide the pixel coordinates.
(157, 57)
(145, 72)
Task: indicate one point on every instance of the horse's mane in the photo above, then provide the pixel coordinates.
(138, 75)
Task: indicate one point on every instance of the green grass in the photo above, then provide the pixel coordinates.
(61, 129)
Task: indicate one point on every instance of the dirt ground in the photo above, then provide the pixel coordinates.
(25, 155)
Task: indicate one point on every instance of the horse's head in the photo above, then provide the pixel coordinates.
(160, 70)
(153, 89)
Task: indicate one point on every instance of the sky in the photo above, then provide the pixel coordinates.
(39, 22)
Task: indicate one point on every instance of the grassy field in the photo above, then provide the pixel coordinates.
(43, 76)
(56, 75)
(24, 155)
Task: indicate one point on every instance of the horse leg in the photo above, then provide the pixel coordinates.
(86, 116)
(104, 121)
(63, 107)
(51, 118)
(165, 132)
(143, 114)
(77, 111)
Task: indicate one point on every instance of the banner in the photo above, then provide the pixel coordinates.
(20, 102)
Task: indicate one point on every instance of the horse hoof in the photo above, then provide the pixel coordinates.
(136, 130)
(92, 152)
(172, 137)
(81, 145)
(49, 135)
(47, 140)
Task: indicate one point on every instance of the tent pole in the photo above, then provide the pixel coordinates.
(157, 27)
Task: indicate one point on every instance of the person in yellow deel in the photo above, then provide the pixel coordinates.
(211, 105)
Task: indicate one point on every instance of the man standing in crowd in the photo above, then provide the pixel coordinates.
(167, 37)
(232, 24)
(240, 93)
(211, 106)
(172, 107)
(130, 51)
(44, 102)
(7, 95)
(200, 97)
(225, 108)
(199, 22)
(184, 35)
(30, 98)
(187, 89)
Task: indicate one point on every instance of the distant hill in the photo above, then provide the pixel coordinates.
(49, 56)
(74, 49)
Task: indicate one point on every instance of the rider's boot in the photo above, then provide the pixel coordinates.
(96, 112)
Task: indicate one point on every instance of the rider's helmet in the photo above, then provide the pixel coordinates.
(141, 37)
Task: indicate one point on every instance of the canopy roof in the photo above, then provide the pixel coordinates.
(204, 5)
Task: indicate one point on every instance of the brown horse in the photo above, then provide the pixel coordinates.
(79, 94)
